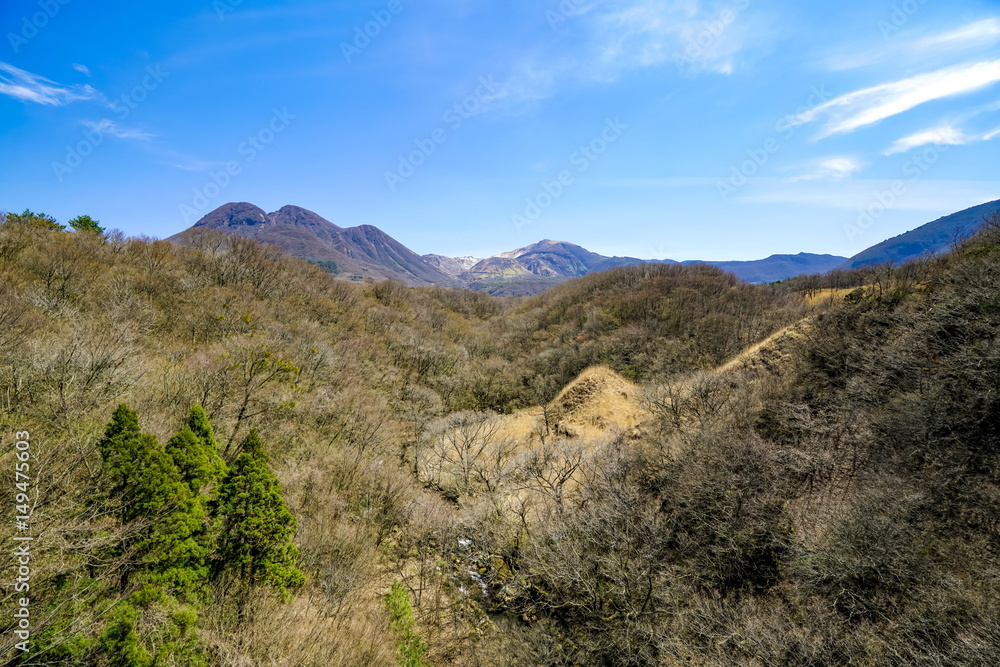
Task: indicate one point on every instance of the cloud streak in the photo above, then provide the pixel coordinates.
(943, 135)
(968, 36)
(972, 36)
(111, 128)
(28, 87)
(868, 106)
(836, 168)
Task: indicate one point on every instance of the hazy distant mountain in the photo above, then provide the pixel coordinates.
(363, 251)
(548, 262)
(545, 259)
(929, 239)
(778, 267)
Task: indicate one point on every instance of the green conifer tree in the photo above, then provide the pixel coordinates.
(84, 223)
(173, 546)
(176, 551)
(169, 549)
(198, 422)
(195, 452)
(172, 640)
(29, 218)
(120, 640)
(257, 527)
(143, 478)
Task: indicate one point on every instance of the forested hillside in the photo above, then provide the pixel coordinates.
(239, 459)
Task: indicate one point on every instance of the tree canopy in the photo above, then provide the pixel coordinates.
(84, 223)
(29, 218)
(257, 527)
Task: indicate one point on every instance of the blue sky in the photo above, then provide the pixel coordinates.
(652, 128)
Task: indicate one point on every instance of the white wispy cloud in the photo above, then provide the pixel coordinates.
(972, 35)
(942, 135)
(28, 87)
(945, 134)
(868, 106)
(835, 167)
(83, 69)
(918, 46)
(110, 127)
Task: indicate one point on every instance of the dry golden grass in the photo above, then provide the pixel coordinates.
(301, 632)
(769, 352)
(824, 296)
(523, 426)
(597, 402)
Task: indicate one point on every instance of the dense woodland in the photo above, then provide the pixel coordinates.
(240, 459)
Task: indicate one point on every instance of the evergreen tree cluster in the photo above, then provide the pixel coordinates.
(188, 520)
(28, 218)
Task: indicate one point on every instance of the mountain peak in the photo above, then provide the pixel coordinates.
(233, 214)
(301, 217)
(541, 246)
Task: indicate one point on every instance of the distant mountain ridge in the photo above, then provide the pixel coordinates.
(548, 262)
(366, 251)
(778, 267)
(930, 239)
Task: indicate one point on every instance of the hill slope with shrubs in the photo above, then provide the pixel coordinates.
(342, 463)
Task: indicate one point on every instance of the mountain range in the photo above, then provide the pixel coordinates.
(368, 252)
